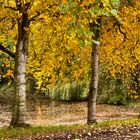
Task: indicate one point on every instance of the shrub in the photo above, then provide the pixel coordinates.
(112, 92)
(73, 91)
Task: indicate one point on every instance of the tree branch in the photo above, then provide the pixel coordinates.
(38, 13)
(2, 48)
(18, 4)
(2, 18)
(12, 8)
(124, 34)
(119, 27)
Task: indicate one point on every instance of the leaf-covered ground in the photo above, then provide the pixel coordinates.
(46, 113)
(115, 132)
(65, 113)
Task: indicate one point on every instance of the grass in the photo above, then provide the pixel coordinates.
(30, 131)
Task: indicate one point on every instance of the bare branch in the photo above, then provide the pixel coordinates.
(2, 48)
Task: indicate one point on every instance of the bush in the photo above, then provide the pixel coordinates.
(6, 93)
(73, 91)
(112, 92)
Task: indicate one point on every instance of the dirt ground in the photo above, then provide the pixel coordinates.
(43, 113)
(56, 113)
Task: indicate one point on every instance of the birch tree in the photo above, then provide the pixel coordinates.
(24, 12)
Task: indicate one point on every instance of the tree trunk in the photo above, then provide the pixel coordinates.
(95, 29)
(138, 80)
(19, 117)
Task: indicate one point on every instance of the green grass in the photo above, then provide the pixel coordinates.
(29, 131)
(21, 132)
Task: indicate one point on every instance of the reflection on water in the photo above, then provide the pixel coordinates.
(46, 112)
